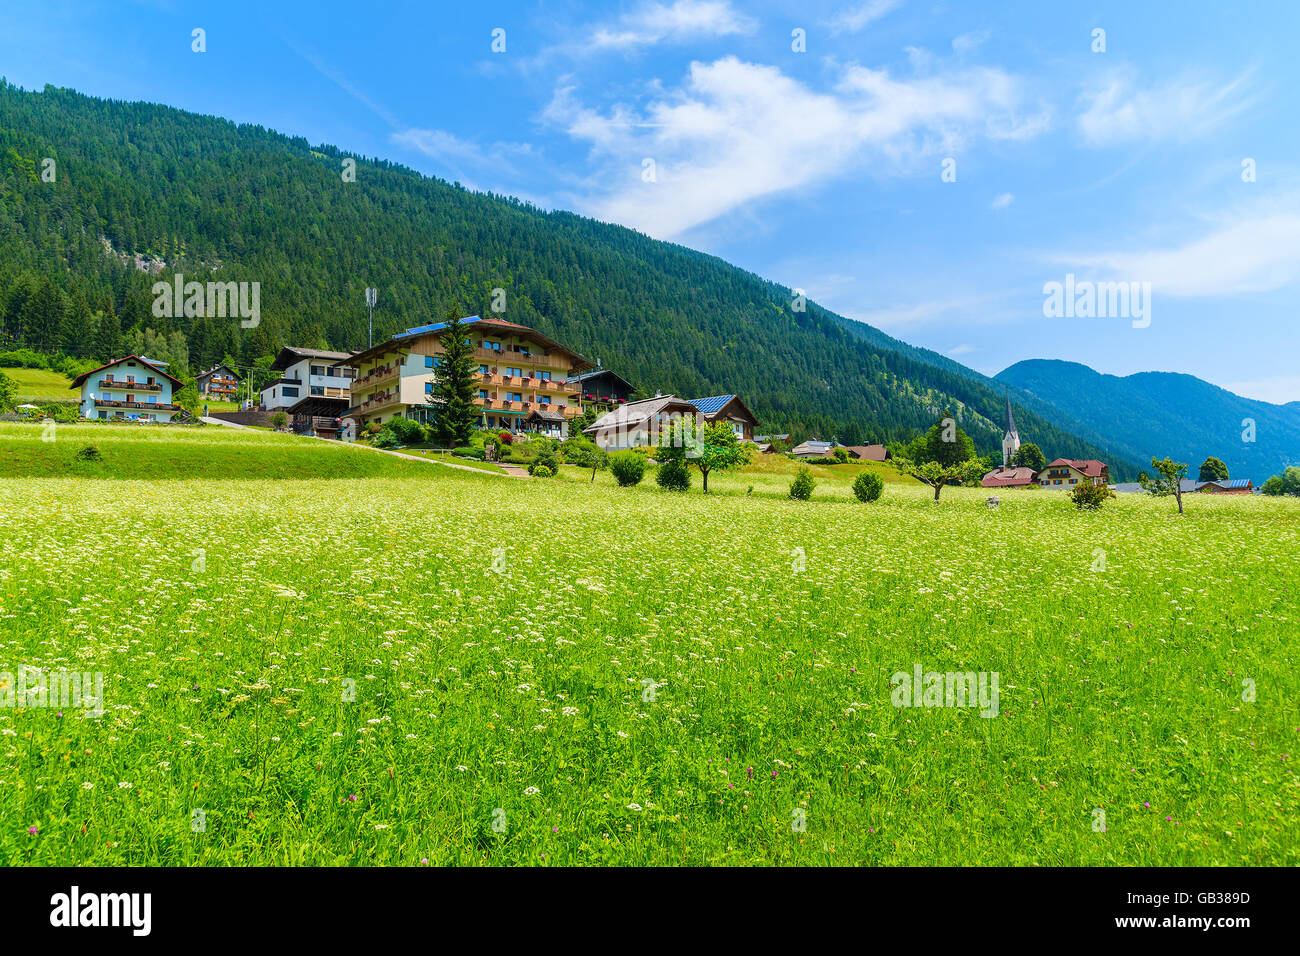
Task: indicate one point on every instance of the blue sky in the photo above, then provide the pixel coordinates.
(820, 169)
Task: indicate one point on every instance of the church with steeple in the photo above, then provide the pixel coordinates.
(1011, 440)
(1009, 475)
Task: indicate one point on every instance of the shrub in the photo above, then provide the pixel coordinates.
(466, 451)
(506, 438)
(841, 455)
(674, 475)
(540, 471)
(628, 468)
(868, 486)
(407, 431)
(385, 439)
(279, 420)
(1089, 496)
(89, 453)
(546, 457)
(801, 488)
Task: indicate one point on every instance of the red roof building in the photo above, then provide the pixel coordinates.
(1066, 473)
(1009, 478)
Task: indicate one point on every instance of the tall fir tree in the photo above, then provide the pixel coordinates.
(453, 387)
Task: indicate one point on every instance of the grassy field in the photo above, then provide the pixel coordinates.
(187, 453)
(453, 668)
(39, 383)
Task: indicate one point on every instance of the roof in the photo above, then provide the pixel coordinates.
(1008, 478)
(290, 355)
(217, 368)
(869, 452)
(1090, 467)
(1186, 485)
(544, 415)
(635, 413)
(481, 324)
(712, 406)
(762, 438)
(80, 379)
(1229, 483)
(813, 448)
(597, 373)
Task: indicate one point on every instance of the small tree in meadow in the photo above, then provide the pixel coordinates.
(936, 475)
(279, 421)
(587, 454)
(1168, 479)
(801, 488)
(868, 486)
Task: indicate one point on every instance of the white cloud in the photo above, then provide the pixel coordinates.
(1255, 251)
(864, 14)
(961, 350)
(1003, 201)
(1115, 111)
(968, 42)
(683, 21)
(464, 157)
(736, 132)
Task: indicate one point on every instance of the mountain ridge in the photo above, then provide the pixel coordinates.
(1169, 414)
(242, 203)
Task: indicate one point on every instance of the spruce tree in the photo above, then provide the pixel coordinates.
(453, 387)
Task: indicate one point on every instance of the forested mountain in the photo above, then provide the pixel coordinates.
(144, 191)
(1168, 414)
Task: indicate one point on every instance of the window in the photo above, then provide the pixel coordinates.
(428, 388)
(515, 396)
(544, 376)
(482, 393)
(483, 369)
(318, 370)
(433, 361)
(515, 372)
(544, 399)
(288, 392)
(317, 390)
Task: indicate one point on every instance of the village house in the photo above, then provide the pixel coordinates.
(1066, 473)
(133, 389)
(640, 423)
(313, 389)
(731, 410)
(219, 382)
(601, 389)
(1227, 486)
(522, 377)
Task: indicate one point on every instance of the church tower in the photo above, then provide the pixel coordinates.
(1011, 440)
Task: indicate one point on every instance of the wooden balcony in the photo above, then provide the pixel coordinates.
(118, 386)
(147, 406)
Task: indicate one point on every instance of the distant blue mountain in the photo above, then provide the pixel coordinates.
(1168, 414)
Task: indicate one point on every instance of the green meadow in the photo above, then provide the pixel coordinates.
(426, 665)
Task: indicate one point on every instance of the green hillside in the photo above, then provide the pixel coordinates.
(1163, 413)
(146, 191)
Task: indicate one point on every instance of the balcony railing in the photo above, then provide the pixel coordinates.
(150, 406)
(118, 386)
